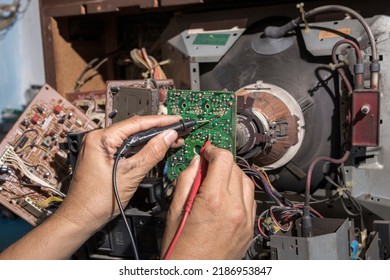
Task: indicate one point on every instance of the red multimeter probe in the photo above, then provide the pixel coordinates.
(202, 170)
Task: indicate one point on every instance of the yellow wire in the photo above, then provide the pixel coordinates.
(154, 70)
(268, 180)
(45, 203)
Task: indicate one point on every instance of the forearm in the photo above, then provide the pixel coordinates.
(90, 202)
(56, 238)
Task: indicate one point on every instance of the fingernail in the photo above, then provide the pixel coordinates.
(170, 137)
(195, 159)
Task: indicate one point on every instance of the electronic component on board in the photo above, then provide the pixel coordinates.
(127, 98)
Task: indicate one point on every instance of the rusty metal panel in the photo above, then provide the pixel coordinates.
(365, 118)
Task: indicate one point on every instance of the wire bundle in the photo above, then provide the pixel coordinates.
(11, 157)
(143, 60)
(344, 194)
(279, 217)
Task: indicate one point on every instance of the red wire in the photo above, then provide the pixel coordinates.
(259, 228)
(190, 201)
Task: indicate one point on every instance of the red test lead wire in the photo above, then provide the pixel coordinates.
(191, 198)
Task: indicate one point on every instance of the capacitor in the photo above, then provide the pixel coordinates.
(35, 119)
(40, 109)
(57, 109)
(3, 169)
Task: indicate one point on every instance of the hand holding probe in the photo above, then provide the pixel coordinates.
(144, 136)
(200, 175)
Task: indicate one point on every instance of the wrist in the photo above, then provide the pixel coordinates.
(76, 215)
(56, 232)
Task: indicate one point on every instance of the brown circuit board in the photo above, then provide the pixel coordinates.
(91, 103)
(132, 91)
(34, 171)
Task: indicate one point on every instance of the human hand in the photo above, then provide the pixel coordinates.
(90, 201)
(220, 225)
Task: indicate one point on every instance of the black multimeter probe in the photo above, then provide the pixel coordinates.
(144, 136)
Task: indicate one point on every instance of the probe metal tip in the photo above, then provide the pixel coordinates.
(204, 121)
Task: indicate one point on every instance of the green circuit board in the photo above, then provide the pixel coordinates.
(218, 108)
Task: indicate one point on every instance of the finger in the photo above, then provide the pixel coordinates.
(178, 143)
(220, 164)
(184, 184)
(152, 153)
(248, 190)
(188, 130)
(254, 208)
(118, 132)
(236, 180)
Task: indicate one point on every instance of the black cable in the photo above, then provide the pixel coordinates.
(357, 206)
(118, 201)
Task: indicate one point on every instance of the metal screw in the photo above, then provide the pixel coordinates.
(114, 90)
(365, 109)
(112, 114)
